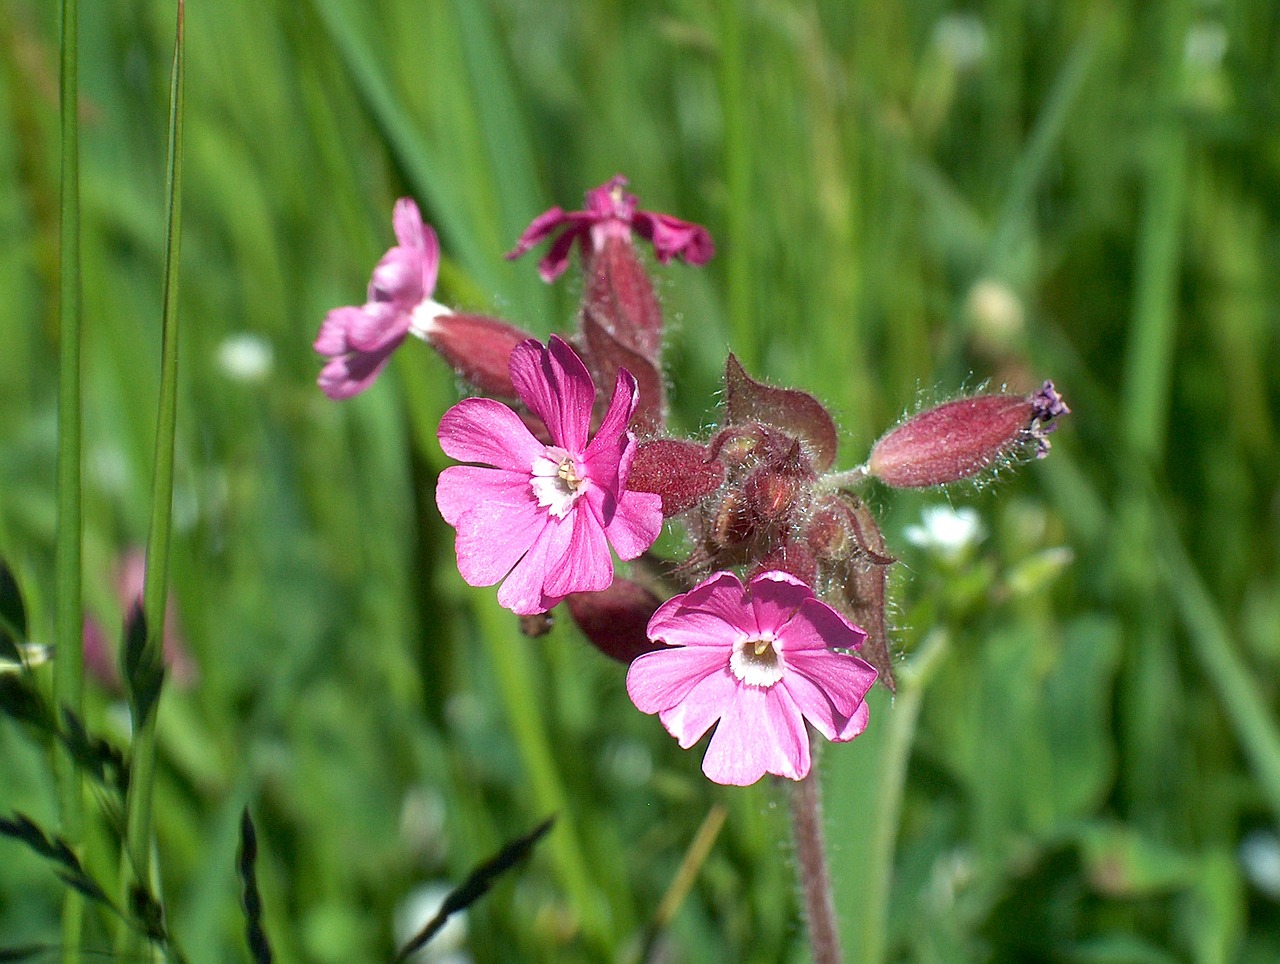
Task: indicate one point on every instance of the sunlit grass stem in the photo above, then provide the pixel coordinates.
(68, 683)
(139, 817)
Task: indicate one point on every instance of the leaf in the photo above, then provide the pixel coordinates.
(25, 952)
(794, 411)
(477, 885)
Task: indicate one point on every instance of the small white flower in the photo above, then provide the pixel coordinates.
(1260, 859)
(420, 906)
(962, 39)
(246, 357)
(946, 531)
(1206, 44)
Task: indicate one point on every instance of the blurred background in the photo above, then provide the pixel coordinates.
(908, 200)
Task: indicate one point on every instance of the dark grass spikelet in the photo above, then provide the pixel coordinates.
(13, 615)
(251, 899)
(67, 866)
(477, 885)
(143, 665)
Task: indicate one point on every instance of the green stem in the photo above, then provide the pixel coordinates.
(913, 679)
(737, 155)
(138, 828)
(1241, 699)
(511, 664)
(68, 682)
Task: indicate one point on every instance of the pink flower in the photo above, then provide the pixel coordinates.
(611, 213)
(759, 660)
(542, 517)
(359, 340)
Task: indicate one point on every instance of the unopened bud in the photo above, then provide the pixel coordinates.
(615, 620)
(792, 558)
(477, 347)
(960, 439)
(679, 471)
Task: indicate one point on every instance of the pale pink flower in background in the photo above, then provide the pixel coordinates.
(612, 213)
(359, 340)
(760, 660)
(541, 518)
(101, 659)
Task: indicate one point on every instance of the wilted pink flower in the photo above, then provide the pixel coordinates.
(611, 212)
(360, 340)
(542, 517)
(100, 658)
(760, 660)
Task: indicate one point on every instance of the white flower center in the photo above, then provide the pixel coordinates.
(756, 661)
(557, 481)
(423, 317)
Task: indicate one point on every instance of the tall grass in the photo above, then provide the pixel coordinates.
(906, 199)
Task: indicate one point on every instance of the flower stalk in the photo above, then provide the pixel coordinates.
(811, 869)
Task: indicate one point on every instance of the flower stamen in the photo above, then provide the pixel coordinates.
(756, 661)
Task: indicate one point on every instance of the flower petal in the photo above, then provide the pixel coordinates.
(663, 679)
(816, 627)
(486, 431)
(462, 488)
(397, 279)
(377, 325)
(350, 374)
(775, 598)
(539, 229)
(689, 720)
(332, 338)
(587, 565)
(552, 264)
(855, 727)
(713, 613)
(632, 523)
(673, 237)
(603, 457)
(524, 590)
(495, 536)
(761, 732)
(413, 232)
(554, 383)
(828, 687)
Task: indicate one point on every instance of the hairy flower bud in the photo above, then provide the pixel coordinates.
(681, 472)
(960, 439)
(478, 348)
(614, 619)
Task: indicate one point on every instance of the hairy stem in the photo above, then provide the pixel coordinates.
(811, 866)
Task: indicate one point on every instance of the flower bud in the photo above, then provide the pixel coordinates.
(792, 558)
(679, 471)
(615, 620)
(960, 439)
(621, 299)
(477, 347)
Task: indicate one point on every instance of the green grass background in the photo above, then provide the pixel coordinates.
(1095, 736)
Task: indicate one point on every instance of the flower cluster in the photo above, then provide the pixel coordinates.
(569, 463)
